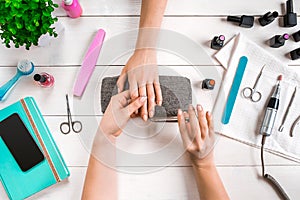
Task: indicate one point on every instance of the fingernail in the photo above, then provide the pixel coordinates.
(209, 114)
(159, 103)
(119, 90)
(143, 99)
(199, 107)
(145, 118)
(191, 107)
(179, 112)
(151, 114)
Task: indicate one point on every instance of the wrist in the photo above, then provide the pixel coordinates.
(145, 51)
(206, 162)
(147, 38)
(107, 132)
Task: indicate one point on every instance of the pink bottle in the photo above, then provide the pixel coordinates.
(72, 7)
(44, 79)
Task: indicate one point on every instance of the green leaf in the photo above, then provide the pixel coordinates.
(12, 30)
(19, 25)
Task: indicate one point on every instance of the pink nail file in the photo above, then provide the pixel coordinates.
(89, 64)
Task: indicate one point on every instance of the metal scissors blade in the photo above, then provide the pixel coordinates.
(65, 127)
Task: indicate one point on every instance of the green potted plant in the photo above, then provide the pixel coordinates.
(23, 22)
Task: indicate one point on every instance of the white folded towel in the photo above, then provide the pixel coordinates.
(247, 116)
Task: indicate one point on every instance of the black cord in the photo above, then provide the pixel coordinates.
(268, 177)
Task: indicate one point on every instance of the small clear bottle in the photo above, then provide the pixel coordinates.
(44, 79)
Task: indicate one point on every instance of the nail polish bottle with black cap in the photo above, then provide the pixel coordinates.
(279, 40)
(44, 79)
(290, 19)
(295, 54)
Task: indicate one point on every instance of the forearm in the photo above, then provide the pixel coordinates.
(100, 182)
(152, 12)
(101, 177)
(209, 183)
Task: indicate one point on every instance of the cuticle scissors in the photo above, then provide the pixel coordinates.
(252, 93)
(65, 127)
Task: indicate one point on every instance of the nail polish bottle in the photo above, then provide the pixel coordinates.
(44, 79)
(72, 7)
(295, 54)
(244, 21)
(208, 84)
(290, 19)
(296, 36)
(279, 40)
(268, 18)
(217, 42)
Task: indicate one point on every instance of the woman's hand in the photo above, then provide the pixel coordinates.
(197, 133)
(142, 74)
(118, 113)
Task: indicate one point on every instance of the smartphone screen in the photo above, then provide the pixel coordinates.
(20, 142)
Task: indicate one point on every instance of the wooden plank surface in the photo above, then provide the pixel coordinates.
(72, 44)
(187, 7)
(178, 183)
(198, 21)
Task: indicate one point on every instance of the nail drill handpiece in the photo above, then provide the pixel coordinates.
(271, 111)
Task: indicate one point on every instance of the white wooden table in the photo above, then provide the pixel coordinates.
(199, 20)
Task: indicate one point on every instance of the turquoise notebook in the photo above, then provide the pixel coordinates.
(29, 160)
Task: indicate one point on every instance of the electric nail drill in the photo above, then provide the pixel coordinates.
(266, 130)
(271, 112)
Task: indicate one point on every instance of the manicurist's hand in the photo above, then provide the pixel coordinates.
(118, 112)
(197, 133)
(142, 74)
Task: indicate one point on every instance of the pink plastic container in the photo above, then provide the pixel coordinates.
(72, 7)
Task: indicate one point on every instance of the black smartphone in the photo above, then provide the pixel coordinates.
(20, 142)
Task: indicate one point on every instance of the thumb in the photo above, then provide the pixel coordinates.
(135, 105)
(121, 81)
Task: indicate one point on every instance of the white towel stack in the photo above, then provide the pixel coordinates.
(247, 116)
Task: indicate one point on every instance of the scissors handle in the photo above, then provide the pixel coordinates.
(65, 128)
(76, 126)
(251, 93)
(247, 92)
(256, 96)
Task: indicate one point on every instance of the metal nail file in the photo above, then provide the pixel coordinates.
(89, 63)
(234, 89)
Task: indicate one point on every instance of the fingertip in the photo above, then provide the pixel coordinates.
(209, 115)
(151, 113)
(159, 102)
(179, 113)
(145, 117)
(199, 107)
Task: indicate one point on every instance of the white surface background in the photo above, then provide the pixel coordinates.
(200, 20)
